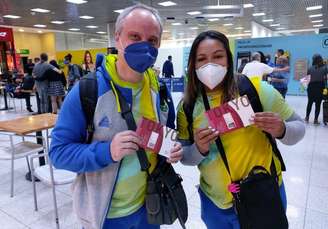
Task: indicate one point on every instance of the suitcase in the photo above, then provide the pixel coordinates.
(325, 112)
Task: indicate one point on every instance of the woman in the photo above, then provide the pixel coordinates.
(210, 68)
(56, 88)
(318, 73)
(87, 65)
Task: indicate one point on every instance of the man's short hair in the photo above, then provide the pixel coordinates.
(120, 19)
(36, 59)
(44, 57)
(169, 57)
(281, 51)
(68, 57)
(256, 56)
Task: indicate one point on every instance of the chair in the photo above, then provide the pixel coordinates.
(51, 177)
(19, 150)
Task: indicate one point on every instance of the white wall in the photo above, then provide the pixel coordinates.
(261, 31)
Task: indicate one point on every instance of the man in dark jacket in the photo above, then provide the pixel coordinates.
(167, 71)
(25, 89)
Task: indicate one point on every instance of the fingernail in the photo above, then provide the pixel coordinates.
(213, 129)
(216, 132)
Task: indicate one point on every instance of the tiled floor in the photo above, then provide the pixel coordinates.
(305, 181)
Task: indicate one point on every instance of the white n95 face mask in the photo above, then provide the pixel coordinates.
(211, 74)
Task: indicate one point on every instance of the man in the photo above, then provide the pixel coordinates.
(268, 60)
(111, 50)
(258, 69)
(109, 191)
(279, 80)
(168, 68)
(41, 82)
(74, 72)
(25, 88)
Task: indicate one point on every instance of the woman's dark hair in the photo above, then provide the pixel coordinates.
(85, 57)
(263, 59)
(194, 85)
(54, 63)
(317, 60)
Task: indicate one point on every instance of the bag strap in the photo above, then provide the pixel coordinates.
(88, 86)
(218, 141)
(129, 119)
(246, 87)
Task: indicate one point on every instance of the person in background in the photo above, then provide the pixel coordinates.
(109, 191)
(111, 50)
(29, 65)
(318, 73)
(25, 88)
(87, 65)
(263, 59)
(258, 69)
(244, 61)
(279, 80)
(74, 73)
(167, 70)
(268, 61)
(56, 88)
(41, 81)
(210, 68)
(36, 60)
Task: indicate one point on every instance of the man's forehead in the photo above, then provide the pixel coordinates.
(141, 17)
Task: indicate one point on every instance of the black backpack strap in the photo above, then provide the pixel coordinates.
(189, 110)
(88, 86)
(247, 88)
(129, 119)
(218, 141)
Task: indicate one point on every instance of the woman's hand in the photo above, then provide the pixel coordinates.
(176, 153)
(203, 137)
(270, 122)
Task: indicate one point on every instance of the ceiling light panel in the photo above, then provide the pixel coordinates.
(39, 10)
(167, 3)
(249, 5)
(57, 22)
(77, 1)
(258, 14)
(313, 8)
(40, 26)
(86, 17)
(12, 16)
(194, 12)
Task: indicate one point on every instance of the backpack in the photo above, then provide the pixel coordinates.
(88, 86)
(245, 87)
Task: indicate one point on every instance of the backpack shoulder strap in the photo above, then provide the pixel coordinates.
(189, 110)
(88, 86)
(246, 87)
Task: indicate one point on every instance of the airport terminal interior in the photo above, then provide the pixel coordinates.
(288, 37)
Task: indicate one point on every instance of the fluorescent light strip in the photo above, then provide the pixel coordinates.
(228, 24)
(39, 10)
(166, 31)
(39, 31)
(258, 14)
(267, 20)
(40, 26)
(118, 11)
(176, 23)
(91, 26)
(280, 28)
(167, 3)
(101, 32)
(76, 1)
(86, 17)
(213, 19)
(319, 25)
(249, 5)
(239, 28)
(57, 22)
(275, 25)
(194, 12)
(313, 8)
(315, 15)
(193, 28)
(12, 16)
(247, 31)
(21, 30)
(74, 29)
(317, 21)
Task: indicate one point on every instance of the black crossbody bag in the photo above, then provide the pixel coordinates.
(165, 198)
(258, 203)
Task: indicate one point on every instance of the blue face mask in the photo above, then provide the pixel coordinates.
(66, 62)
(140, 56)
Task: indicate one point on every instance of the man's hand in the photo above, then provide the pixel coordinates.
(203, 138)
(270, 122)
(124, 143)
(176, 153)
